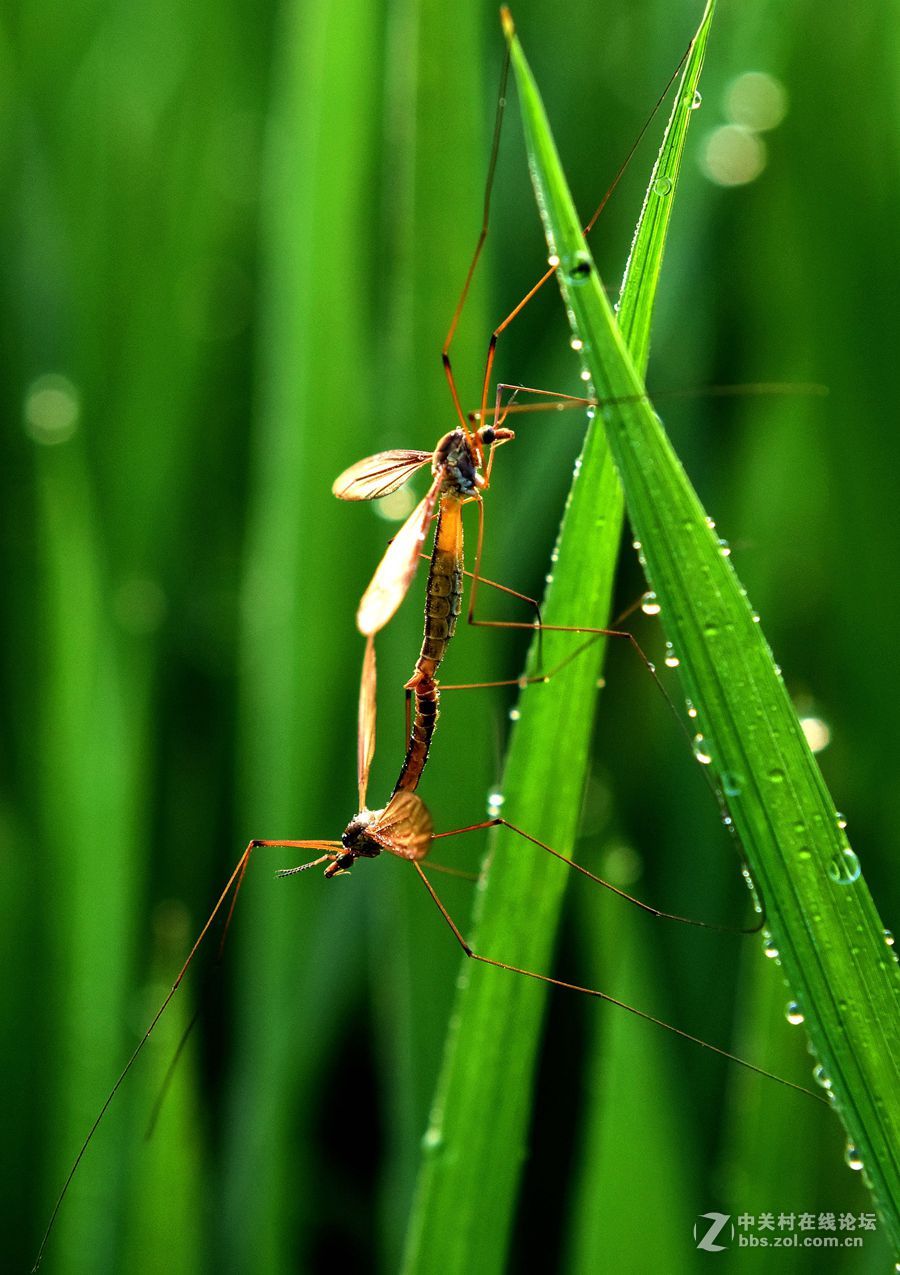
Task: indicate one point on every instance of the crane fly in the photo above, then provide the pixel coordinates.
(403, 828)
(461, 465)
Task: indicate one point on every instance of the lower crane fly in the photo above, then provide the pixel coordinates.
(403, 828)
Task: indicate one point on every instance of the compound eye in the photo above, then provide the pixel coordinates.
(487, 435)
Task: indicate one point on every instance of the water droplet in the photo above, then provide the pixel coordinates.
(576, 343)
(672, 660)
(700, 752)
(852, 1158)
(636, 544)
(751, 886)
(770, 949)
(515, 714)
(844, 867)
(711, 523)
(697, 100)
(663, 185)
(591, 412)
(585, 375)
(553, 261)
(755, 617)
(732, 783)
(495, 804)
(724, 548)
(776, 775)
(840, 819)
(794, 1014)
(691, 711)
(710, 629)
(889, 938)
(548, 578)
(821, 1077)
(649, 604)
(580, 270)
(804, 855)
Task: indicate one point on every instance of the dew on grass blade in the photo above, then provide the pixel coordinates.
(495, 804)
(845, 868)
(794, 1014)
(700, 751)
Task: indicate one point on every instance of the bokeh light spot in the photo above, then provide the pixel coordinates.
(733, 156)
(52, 408)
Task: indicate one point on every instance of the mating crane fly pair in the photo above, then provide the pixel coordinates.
(459, 476)
(461, 467)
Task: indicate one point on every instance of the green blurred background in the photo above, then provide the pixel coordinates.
(234, 239)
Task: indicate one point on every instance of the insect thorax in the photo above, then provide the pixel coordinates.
(456, 456)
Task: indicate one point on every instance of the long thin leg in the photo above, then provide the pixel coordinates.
(502, 326)
(557, 401)
(498, 822)
(501, 588)
(522, 681)
(540, 627)
(482, 236)
(233, 883)
(604, 996)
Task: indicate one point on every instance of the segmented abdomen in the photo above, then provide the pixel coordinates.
(443, 592)
(443, 602)
(427, 697)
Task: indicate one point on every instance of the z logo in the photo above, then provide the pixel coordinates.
(707, 1241)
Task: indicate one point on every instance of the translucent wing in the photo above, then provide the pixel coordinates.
(365, 747)
(396, 569)
(404, 827)
(378, 475)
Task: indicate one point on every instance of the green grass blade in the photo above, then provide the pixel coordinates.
(638, 290)
(287, 1024)
(481, 1113)
(840, 971)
